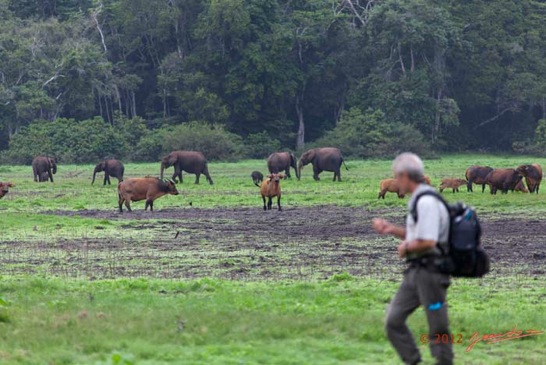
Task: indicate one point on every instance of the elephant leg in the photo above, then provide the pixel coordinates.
(287, 173)
(316, 172)
(279, 203)
(50, 175)
(180, 176)
(265, 204)
(36, 175)
(197, 176)
(209, 179)
(483, 188)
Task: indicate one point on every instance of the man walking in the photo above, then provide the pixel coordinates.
(423, 284)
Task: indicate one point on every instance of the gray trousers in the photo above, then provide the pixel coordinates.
(429, 289)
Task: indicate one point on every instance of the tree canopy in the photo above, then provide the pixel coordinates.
(451, 75)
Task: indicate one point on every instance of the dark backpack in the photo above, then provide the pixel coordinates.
(464, 257)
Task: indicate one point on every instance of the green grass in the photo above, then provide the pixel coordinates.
(217, 322)
(57, 320)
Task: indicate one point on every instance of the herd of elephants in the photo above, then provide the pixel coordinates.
(279, 165)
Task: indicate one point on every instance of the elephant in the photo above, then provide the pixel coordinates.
(323, 159)
(192, 162)
(42, 165)
(111, 167)
(282, 161)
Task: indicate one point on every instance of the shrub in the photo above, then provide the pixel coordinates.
(213, 140)
(67, 140)
(368, 134)
(260, 145)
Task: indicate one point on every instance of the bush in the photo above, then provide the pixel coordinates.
(260, 145)
(364, 135)
(67, 140)
(213, 140)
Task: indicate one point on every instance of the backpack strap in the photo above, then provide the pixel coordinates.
(413, 210)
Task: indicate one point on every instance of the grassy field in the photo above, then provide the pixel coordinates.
(68, 296)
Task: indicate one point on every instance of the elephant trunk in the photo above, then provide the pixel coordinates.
(162, 170)
(298, 170)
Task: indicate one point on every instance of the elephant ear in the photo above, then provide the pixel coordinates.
(172, 159)
(310, 155)
(293, 161)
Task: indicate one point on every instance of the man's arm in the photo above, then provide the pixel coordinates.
(428, 227)
(415, 246)
(384, 227)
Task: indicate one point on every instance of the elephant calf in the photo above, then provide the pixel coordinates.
(257, 177)
(192, 162)
(110, 167)
(323, 159)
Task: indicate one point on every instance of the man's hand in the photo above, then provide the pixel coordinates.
(382, 226)
(403, 249)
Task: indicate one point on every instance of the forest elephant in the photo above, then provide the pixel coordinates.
(189, 161)
(282, 161)
(503, 180)
(323, 159)
(111, 167)
(477, 175)
(533, 176)
(42, 165)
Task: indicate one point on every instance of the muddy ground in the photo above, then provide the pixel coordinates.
(249, 244)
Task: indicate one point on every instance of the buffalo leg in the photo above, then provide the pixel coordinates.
(269, 203)
(469, 186)
(120, 203)
(128, 205)
(149, 203)
(279, 203)
(265, 204)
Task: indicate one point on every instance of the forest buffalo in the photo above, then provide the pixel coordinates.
(144, 188)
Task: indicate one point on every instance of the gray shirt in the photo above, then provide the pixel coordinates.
(432, 223)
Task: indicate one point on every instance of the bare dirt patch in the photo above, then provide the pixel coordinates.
(249, 244)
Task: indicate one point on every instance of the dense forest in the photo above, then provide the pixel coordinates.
(82, 79)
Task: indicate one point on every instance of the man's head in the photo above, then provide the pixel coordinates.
(409, 171)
